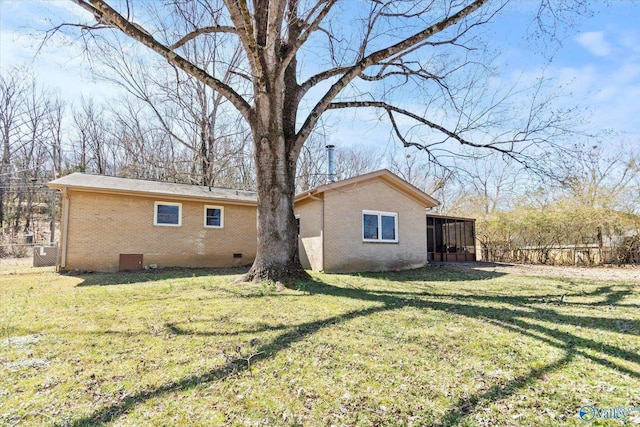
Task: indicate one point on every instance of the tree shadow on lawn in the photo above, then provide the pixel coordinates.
(444, 272)
(611, 297)
(430, 273)
(129, 278)
(517, 314)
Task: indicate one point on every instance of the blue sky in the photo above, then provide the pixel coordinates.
(598, 64)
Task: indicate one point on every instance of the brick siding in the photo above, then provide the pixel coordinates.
(103, 226)
(344, 249)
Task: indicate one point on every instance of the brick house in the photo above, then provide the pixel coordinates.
(374, 221)
(106, 219)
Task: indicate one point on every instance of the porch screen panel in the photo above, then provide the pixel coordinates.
(469, 235)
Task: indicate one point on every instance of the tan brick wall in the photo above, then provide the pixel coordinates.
(103, 226)
(344, 249)
(310, 240)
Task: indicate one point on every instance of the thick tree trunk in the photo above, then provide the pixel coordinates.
(272, 123)
(277, 255)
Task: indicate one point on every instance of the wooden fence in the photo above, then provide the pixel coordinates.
(560, 255)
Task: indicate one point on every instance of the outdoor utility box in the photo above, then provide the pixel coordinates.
(130, 262)
(45, 256)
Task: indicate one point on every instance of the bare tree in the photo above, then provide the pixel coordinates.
(356, 160)
(427, 176)
(599, 177)
(31, 130)
(12, 93)
(491, 183)
(92, 137)
(349, 161)
(303, 59)
(194, 115)
(41, 115)
(146, 152)
(55, 120)
(312, 164)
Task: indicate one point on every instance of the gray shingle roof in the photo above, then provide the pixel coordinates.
(83, 181)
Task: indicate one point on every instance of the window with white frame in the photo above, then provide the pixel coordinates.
(213, 216)
(379, 226)
(167, 213)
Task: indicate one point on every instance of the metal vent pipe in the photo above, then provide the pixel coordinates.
(331, 175)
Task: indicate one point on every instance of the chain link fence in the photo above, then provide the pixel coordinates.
(43, 255)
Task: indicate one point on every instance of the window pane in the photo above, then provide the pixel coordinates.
(168, 214)
(370, 226)
(388, 227)
(214, 217)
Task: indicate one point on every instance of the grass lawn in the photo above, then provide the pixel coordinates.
(437, 346)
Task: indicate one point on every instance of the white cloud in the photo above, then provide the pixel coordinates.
(578, 81)
(628, 73)
(594, 42)
(612, 102)
(630, 42)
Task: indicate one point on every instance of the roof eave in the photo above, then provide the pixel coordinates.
(60, 186)
(402, 185)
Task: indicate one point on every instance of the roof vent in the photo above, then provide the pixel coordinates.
(331, 175)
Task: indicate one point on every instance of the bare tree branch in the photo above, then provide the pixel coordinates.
(314, 80)
(105, 11)
(200, 31)
(309, 28)
(455, 135)
(376, 57)
(241, 18)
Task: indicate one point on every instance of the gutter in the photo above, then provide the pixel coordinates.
(157, 195)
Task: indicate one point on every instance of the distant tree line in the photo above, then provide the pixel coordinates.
(186, 135)
(589, 214)
(44, 137)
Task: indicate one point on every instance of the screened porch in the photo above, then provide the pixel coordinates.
(451, 239)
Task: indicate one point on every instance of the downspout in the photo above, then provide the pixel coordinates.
(321, 200)
(331, 177)
(323, 239)
(65, 231)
